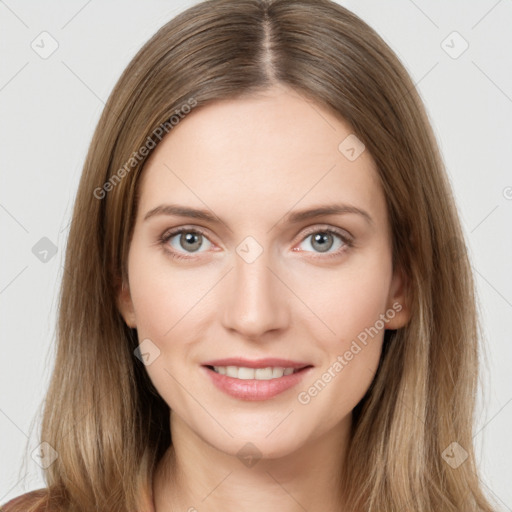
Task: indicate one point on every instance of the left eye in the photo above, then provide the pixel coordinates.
(323, 240)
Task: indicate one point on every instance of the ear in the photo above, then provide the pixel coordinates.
(398, 301)
(125, 305)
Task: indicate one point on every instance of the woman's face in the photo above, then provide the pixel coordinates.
(259, 281)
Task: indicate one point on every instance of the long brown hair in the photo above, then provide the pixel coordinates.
(102, 415)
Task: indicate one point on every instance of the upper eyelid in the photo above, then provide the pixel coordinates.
(316, 226)
(327, 227)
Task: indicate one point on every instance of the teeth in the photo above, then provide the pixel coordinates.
(243, 373)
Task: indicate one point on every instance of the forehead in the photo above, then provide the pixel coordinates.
(259, 155)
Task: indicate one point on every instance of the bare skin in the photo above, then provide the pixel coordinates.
(251, 162)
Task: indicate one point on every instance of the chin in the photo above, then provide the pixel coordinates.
(257, 445)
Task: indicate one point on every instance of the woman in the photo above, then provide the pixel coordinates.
(251, 370)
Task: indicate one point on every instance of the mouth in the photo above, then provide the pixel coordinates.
(256, 380)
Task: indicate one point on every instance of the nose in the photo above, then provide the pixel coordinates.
(256, 300)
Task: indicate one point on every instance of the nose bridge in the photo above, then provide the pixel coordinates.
(256, 298)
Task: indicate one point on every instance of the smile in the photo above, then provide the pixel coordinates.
(246, 383)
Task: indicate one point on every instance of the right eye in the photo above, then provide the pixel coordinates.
(189, 239)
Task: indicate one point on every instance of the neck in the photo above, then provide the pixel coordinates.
(195, 476)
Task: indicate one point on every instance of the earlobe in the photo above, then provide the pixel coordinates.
(125, 305)
(398, 306)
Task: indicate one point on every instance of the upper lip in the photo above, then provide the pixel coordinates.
(256, 363)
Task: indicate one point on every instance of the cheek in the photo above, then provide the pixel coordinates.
(163, 300)
(356, 297)
(356, 305)
(154, 300)
(162, 294)
(360, 309)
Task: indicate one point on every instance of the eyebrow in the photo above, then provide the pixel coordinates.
(293, 217)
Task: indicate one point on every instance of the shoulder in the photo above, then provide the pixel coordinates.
(33, 501)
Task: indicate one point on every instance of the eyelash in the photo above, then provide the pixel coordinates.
(166, 236)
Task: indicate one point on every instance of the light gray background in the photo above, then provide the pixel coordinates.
(49, 108)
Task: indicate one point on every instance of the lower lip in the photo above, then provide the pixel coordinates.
(254, 389)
